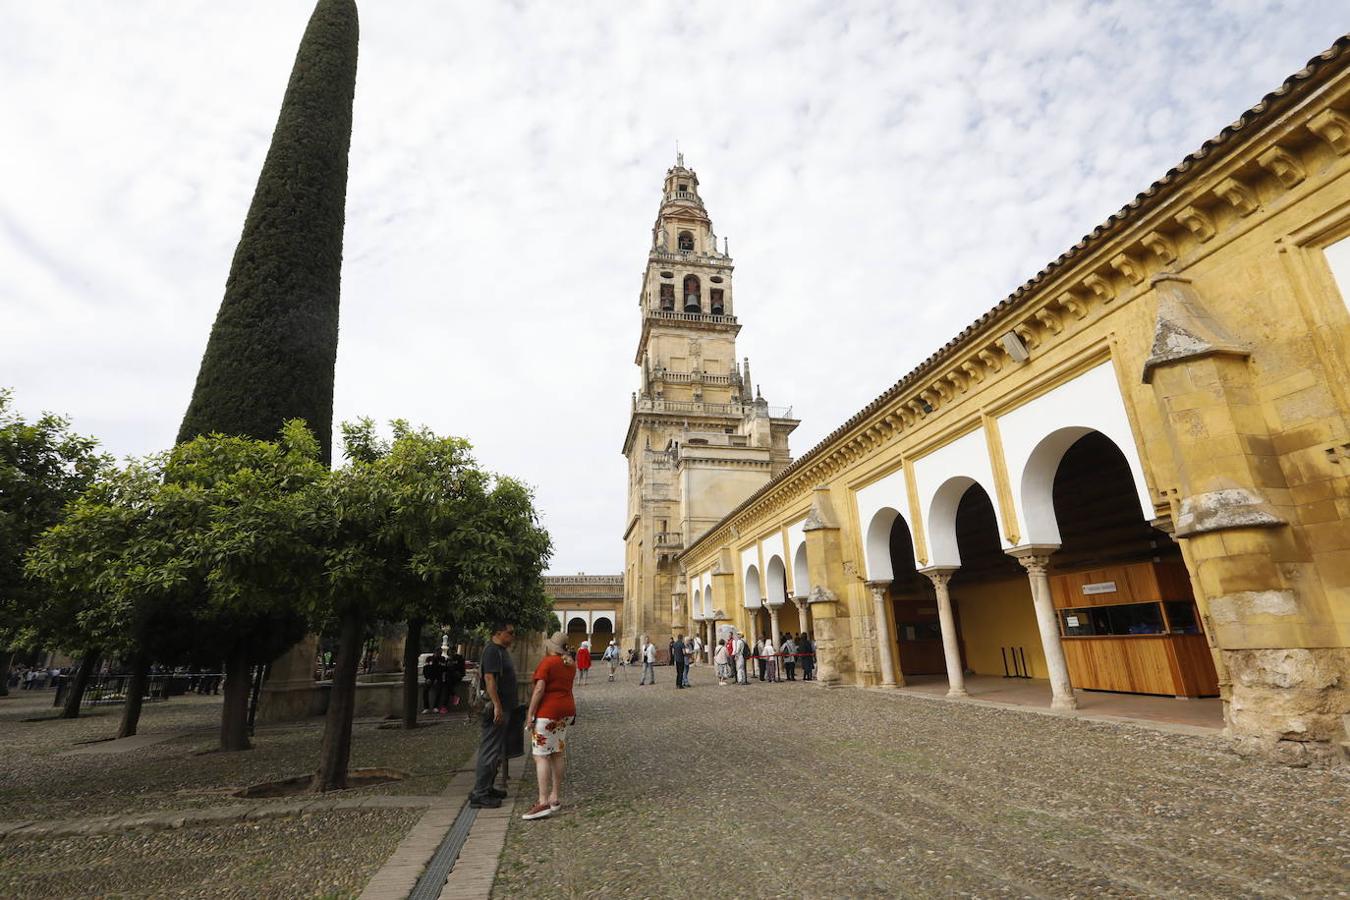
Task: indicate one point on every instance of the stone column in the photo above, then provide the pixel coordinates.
(1035, 559)
(775, 634)
(951, 647)
(804, 612)
(885, 640)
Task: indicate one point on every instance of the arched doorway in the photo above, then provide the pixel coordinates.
(918, 634)
(1122, 595)
(576, 631)
(602, 632)
(995, 619)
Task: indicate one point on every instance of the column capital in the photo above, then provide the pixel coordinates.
(1034, 564)
(878, 586)
(1033, 557)
(939, 575)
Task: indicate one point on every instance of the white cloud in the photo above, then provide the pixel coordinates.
(886, 173)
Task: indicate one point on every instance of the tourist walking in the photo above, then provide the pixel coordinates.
(648, 662)
(741, 651)
(808, 652)
(583, 661)
(720, 660)
(552, 710)
(498, 674)
(689, 659)
(698, 649)
(789, 649)
(612, 657)
(678, 660)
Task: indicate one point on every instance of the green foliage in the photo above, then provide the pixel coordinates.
(209, 545)
(43, 467)
(439, 538)
(273, 348)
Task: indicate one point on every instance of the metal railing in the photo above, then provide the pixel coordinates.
(110, 690)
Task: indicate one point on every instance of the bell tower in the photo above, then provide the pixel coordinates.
(700, 438)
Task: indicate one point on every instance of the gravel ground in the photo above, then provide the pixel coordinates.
(323, 855)
(181, 773)
(790, 790)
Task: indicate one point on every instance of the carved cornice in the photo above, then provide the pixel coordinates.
(1162, 227)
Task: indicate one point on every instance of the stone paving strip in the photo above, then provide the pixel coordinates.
(397, 877)
(474, 873)
(476, 868)
(163, 820)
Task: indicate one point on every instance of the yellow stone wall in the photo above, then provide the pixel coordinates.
(1236, 385)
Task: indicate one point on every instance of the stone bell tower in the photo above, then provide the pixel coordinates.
(701, 438)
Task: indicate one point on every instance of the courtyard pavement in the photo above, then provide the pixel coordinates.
(794, 791)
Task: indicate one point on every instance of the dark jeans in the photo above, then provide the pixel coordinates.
(491, 750)
(431, 694)
(763, 665)
(679, 674)
(791, 670)
(808, 666)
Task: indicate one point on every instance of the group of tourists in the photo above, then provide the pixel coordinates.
(734, 655)
(440, 676)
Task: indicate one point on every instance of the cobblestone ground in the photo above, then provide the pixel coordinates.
(325, 854)
(790, 790)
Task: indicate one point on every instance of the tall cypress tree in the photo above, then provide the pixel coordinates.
(273, 348)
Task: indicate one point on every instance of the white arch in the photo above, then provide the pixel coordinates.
(595, 626)
(888, 493)
(581, 619)
(776, 576)
(801, 572)
(942, 478)
(707, 602)
(942, 545)
(1038, 483)
(754, 597)
(1036, 435)
(877, 544)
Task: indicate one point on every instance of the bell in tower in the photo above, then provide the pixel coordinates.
(693, 300)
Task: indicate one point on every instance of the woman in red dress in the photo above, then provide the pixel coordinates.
(552, 709)
(584, 660)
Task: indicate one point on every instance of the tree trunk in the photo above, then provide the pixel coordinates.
(75, 692)
(336, 750)
(412, 648)
(234, 712)
(140, 676)
(6, 660)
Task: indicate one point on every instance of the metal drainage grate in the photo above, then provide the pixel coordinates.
(431, 883)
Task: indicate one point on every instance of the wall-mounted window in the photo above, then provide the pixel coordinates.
(686, 242)
(693, 294)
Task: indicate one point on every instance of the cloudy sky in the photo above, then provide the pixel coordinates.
(886, 172)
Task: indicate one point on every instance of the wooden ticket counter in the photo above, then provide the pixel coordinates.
(1134, 628)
